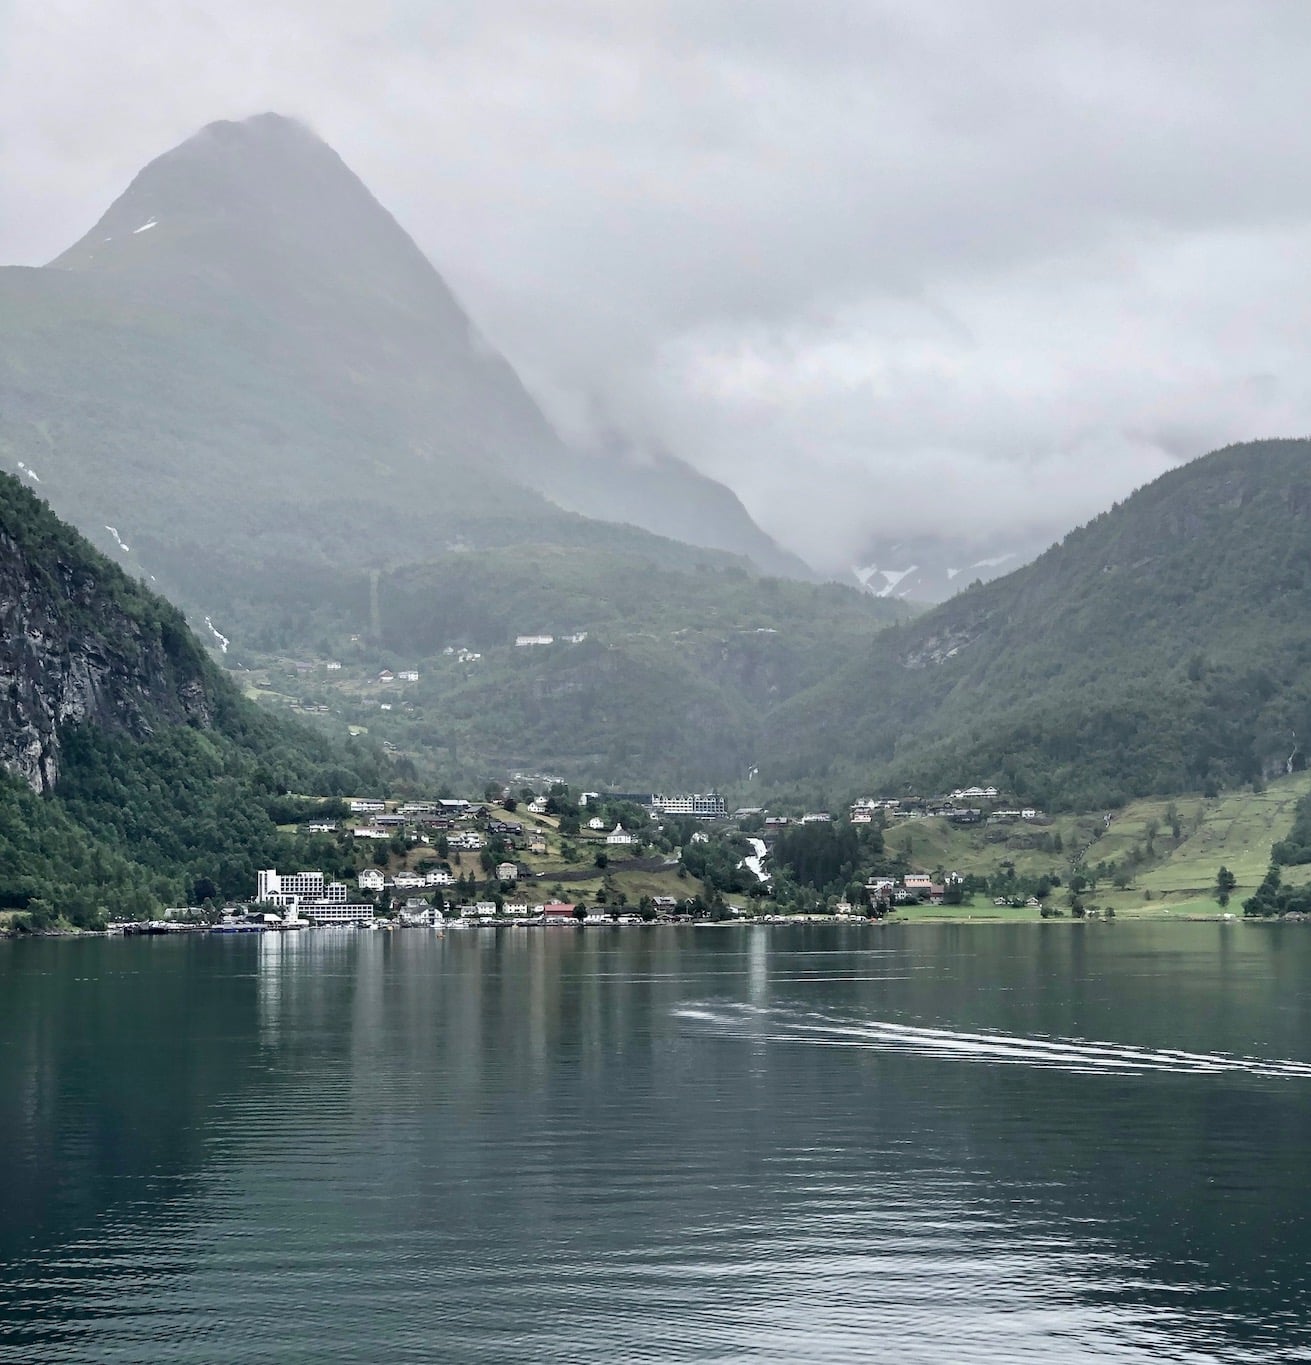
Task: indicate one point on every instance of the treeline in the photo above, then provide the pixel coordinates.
(1129, 661)
(1272, 897)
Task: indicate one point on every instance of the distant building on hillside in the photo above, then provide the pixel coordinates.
(526, 641)
(707, 806)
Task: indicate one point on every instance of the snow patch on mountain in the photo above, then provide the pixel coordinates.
(994, 563)
(892, 579)
(31, 473)
(145, 227)
(118, 540)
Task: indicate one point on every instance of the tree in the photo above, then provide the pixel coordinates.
(1225, 881)
(580, 913)
(1266, 900)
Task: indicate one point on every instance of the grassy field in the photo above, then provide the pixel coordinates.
(1235, 830)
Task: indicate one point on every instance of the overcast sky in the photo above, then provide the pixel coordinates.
(976, 264)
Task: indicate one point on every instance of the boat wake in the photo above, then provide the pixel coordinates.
(1003, 1049)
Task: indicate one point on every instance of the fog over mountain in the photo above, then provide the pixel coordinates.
(882, 269)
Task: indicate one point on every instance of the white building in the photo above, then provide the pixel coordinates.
(323, 827)
(292, 887)
(311, 895)
(371, 879)
(408, 675)
(707, 806)
(367, 806)
(333, 666)
(343, 913)
(596, 823)
(526, 641)
(439, 877)
(619, 835)
(507, 872)
(370, 832)
(407, 881)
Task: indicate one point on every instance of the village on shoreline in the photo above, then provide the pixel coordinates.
(567, 859)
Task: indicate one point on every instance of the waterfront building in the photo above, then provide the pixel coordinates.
(311, 895)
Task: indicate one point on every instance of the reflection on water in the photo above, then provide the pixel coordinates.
(1035, 1143)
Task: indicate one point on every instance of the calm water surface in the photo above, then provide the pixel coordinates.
(1009, 1143)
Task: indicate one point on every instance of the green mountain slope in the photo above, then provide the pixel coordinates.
(674, 683)
(131, 772)
(1163, 647)
(248, 356)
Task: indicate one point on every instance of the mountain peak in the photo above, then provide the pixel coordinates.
(256, 283)
(237, 191)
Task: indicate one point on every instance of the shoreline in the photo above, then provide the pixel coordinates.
(799, 921)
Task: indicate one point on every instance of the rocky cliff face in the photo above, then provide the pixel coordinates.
(80, 643)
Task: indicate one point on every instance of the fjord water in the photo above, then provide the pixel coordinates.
(1007, 1143)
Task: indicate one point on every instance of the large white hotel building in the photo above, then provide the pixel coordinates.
(707, 806)
(312, 895)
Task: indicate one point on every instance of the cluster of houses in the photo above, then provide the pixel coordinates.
(308, 898)
(965, 806)
(453, 818)
(530, 641)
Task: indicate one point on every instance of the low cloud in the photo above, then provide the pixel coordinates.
(982, 266)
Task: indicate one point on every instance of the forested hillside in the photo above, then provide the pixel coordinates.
(134, 774)
(1163, 647)
(660, 672)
